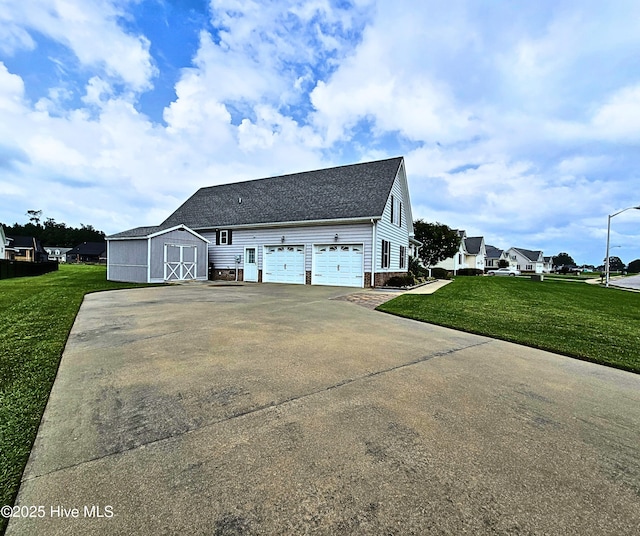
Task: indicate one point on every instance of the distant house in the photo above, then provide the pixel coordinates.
(347, 226)
(526, 260)
(3, 243)
(471, 254)
(547, 266)
(28, 249)
(94, 252)
(493, 256)
(56, 253)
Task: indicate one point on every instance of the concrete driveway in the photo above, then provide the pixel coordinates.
(275, 409)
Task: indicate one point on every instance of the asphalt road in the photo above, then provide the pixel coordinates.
(275, 409)
(632, 282)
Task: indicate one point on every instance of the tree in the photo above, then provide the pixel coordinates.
(34, 216)
(52, 233)
(503, 263)
(563, 259)
(615, 264)
(634, 267)
(439, 241)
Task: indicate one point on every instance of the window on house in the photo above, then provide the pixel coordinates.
(403, 256)
(459, 258)
(393, 206)
(396, 211)
(386, 254)
(529, 267)
(223, 237)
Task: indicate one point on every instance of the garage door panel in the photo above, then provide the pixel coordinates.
(284, 264)
(338, 264)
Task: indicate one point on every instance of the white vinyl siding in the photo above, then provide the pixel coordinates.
(397, 234)
(223, 258)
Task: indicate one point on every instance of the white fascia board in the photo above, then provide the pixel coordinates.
(177, 227)
(298, 223)
(407, 199)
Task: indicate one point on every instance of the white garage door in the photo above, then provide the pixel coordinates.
(283, 264)
(338, 264)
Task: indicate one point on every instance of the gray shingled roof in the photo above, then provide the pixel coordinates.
(353, 191)
(493, 252)
(530, 254)
(138, 232)
(472, 244)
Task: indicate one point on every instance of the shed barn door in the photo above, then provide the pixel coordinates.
(180, 262)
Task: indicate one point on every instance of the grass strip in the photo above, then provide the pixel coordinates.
(36, 316)
(588, 322)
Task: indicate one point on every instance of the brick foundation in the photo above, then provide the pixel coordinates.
(382, 278)
(227, 275)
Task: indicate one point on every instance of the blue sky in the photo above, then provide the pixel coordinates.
(519, 121)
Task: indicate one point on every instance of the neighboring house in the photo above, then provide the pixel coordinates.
(93, 252)
(347, 226)
(526, 260)
(547, 265)
(28, 249)
(3, 243)
(471, 254)
(493, 257)
(56, 253)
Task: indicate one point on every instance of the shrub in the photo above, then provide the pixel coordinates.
(469, 271)
(440, 273)
(416, 269)
(400, 281)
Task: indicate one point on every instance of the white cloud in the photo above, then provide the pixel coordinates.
(11, 90)
(619, 117)
(90, 30)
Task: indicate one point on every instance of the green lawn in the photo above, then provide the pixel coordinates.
(36, 315)
(572, 318)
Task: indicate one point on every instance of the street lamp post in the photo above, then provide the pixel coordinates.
(606, 266)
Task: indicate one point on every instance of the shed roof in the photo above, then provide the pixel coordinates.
(137, 232)
(344, 192)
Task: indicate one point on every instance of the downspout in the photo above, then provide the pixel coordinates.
(373, 254)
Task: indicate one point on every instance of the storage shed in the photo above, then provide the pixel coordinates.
(157, 255)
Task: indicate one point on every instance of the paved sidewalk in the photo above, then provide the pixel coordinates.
(372, 298)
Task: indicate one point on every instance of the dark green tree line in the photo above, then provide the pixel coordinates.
(52, 233)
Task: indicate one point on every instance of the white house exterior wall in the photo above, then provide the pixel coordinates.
(520, 262)
(127, 260)
(223, 257)
(396, 235)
